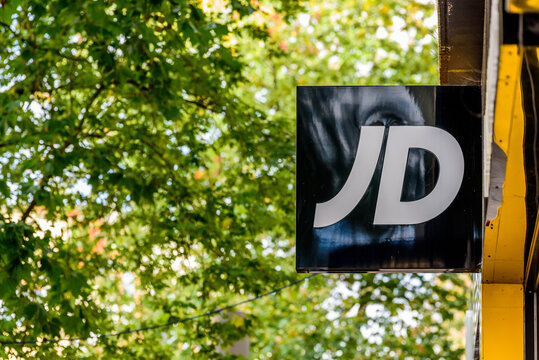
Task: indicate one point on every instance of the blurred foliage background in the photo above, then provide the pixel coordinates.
(147, 174)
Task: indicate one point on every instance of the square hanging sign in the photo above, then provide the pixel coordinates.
(389, 179)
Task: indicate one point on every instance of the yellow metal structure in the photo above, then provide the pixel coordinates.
(503, 256)
(502, 322)
(502, 329)
(522, 6)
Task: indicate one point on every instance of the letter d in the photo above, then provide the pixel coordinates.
(390, 210)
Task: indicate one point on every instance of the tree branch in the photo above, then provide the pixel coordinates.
(28, 210)
(200, 105)
(45, 179)
(86, 109)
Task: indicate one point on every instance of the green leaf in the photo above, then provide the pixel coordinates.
(30, 311)
(4, 189)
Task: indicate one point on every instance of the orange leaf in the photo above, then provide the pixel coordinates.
(199, 174)
(73, 213)
(93, 231)
(99, 246)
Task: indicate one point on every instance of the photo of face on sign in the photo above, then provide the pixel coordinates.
(342, 183)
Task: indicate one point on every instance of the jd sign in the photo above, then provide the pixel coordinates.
(390, 210)
(389, 179)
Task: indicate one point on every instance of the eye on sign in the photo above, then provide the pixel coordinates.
(389, 179)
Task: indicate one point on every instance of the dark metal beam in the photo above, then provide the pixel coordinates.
(461, 30)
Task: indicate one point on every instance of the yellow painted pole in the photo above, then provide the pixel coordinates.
(502, 298)
(502, 322)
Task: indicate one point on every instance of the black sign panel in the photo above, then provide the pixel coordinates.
(389, 179)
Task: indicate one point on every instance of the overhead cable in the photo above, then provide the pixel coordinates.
(157, 326)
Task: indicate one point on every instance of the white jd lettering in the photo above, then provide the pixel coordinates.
(390, 210)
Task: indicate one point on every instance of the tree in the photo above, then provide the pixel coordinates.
(148, 175)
